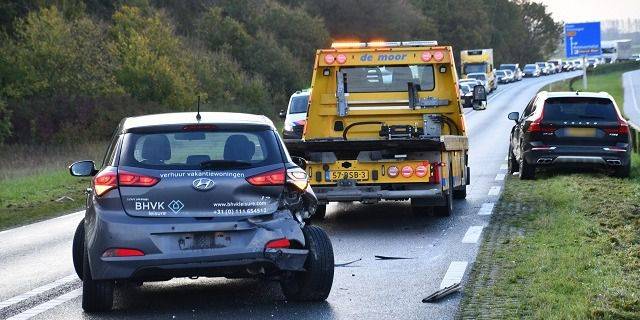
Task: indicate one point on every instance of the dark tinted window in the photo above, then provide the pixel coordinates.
(388, 78)
(299, 104)
(579, 109)
(187, 150)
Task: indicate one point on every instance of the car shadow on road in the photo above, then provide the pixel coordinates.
(211, 299)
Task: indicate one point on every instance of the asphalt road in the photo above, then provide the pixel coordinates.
(37, 275)
(631, 83)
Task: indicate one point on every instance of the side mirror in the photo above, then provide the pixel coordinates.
(85, 168)
(513, 116)
(479, 97)
(282, 114)
(300, 162)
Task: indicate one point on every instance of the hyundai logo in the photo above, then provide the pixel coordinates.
(203, 184)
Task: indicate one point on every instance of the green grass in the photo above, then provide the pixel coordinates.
(565, 246)
(573, 251)
(32, 178)
(32, 198)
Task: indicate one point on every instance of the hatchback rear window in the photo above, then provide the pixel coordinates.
(201, 149)
(579, 109)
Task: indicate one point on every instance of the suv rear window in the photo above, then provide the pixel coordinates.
(579, 109)
(188, 150)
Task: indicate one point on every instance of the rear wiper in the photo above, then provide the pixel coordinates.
(214, 164)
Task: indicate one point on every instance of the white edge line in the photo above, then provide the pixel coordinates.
(486, 209)
(500, 176)
(69, 215)
(494, 191)
(29, 313)
(31, 293)
(473, 234)
(454, 273)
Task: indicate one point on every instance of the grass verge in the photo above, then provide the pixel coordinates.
(565, 246)
(35, 184)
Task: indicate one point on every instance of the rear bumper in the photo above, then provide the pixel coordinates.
(242, 254)
(577, 156)
(374, 193)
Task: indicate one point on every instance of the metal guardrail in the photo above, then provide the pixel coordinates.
(634, 130)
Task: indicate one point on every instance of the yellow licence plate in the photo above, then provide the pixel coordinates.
(581, 132)
(359, 175)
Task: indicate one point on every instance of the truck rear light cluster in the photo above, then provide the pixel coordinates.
(426, 56)
(393, 171)
(407, 171)
(330, 58)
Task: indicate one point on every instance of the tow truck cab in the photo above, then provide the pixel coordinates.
(478, 61)
(385, 122)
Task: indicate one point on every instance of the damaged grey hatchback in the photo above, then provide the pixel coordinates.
(188, 195)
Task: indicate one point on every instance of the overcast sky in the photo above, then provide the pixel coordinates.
(592, 10)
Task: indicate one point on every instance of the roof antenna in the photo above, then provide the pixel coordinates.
(198, 117)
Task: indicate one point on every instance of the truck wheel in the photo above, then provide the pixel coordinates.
(320, 213)
(315, 283)
(460, 193)
(447, 208)
(97, 295)
(622, 171)
(77, 249)
(513, 163)
(527, 171)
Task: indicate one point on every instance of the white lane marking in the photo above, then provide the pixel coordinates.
(454, 274)
(506, 158)
(29, 313)
(504, 166)
(473, 234)
(500, 176)
(11, 301)
(486, 209)
(494, 191)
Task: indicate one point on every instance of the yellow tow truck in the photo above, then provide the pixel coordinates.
(385, 122)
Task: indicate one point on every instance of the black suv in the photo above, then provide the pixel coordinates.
(572, 129)
(186, 195)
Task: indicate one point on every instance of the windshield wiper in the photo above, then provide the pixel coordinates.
(216, 164)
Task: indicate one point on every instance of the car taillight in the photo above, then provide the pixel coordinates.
(622, 128)
(407, 171)
(130, 179)
(122, 252)
(105, 181)
(421, 171)
(393, 171)
(278, 244)
(537, 127)
(271, 178)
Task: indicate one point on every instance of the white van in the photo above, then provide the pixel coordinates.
(296, 115)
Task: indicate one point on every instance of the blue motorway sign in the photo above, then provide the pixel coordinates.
(582, 39)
